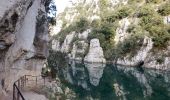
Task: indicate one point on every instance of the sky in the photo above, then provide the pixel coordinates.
(61, 4)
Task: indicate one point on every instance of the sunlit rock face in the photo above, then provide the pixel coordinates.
(152, 61)
(66, 45)
(167, 19)
(56, 45)
(95, 71)
(95, 53)
(23, 38)
(121, 32)
(140, 56)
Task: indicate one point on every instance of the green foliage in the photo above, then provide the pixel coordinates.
(95, 23)
(129, 46)
(134, 1)
(52, 21)
(105, 33)
(160, 59)
(103, 4)
(145, 10)
(161, 37)
(79, 26)
(132, 44)
(154, 1)
(124, 12)
(164, 10)
(82, 25)
(153, 23)
(150, 24)
(56, 59)
(119, 13)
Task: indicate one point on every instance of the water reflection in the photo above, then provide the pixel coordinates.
(95, 71)
(108, 82)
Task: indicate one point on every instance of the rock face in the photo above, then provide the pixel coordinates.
(95, 53)
(23, 39)
(121, 33)
(79, 50)
(140, 56)
(158, 61)
(66, 45)
(167, 19)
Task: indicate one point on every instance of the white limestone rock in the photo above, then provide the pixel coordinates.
(167, 19)
(95, 53)
(56, 45)
(66, 45)
(84, 34)
(121, 33)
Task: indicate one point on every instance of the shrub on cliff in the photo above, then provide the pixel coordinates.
(145, 10)
(81, 25)
(154, 1)
(134, 1)
(152, 22)
(105, 33)
(56, 61)
(124, 12)
(129, 46)
(164, 9)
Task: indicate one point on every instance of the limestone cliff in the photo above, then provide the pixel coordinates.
(23, 39)
(129, 32)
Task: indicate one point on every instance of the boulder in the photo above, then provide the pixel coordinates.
(95, 54)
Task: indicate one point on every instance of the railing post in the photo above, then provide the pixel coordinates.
(44, 80)
(14, 92)
(17, 95)
(25, 79)
(36, 80)
(19, 83)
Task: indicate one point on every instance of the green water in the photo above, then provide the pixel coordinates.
(109, 82)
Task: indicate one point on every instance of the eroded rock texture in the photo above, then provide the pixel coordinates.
(23, 39)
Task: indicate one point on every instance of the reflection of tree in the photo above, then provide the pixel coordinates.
(56, 61)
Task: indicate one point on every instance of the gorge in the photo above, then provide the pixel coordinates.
(93, 50)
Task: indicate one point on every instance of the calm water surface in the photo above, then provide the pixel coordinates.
(109, 82)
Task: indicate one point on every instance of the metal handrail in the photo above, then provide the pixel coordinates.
(20, 84)
(19, 94)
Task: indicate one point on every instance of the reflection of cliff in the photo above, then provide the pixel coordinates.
(95, 71)
(117, 83)
(80, 74)
(140, 78)
(75, 74)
